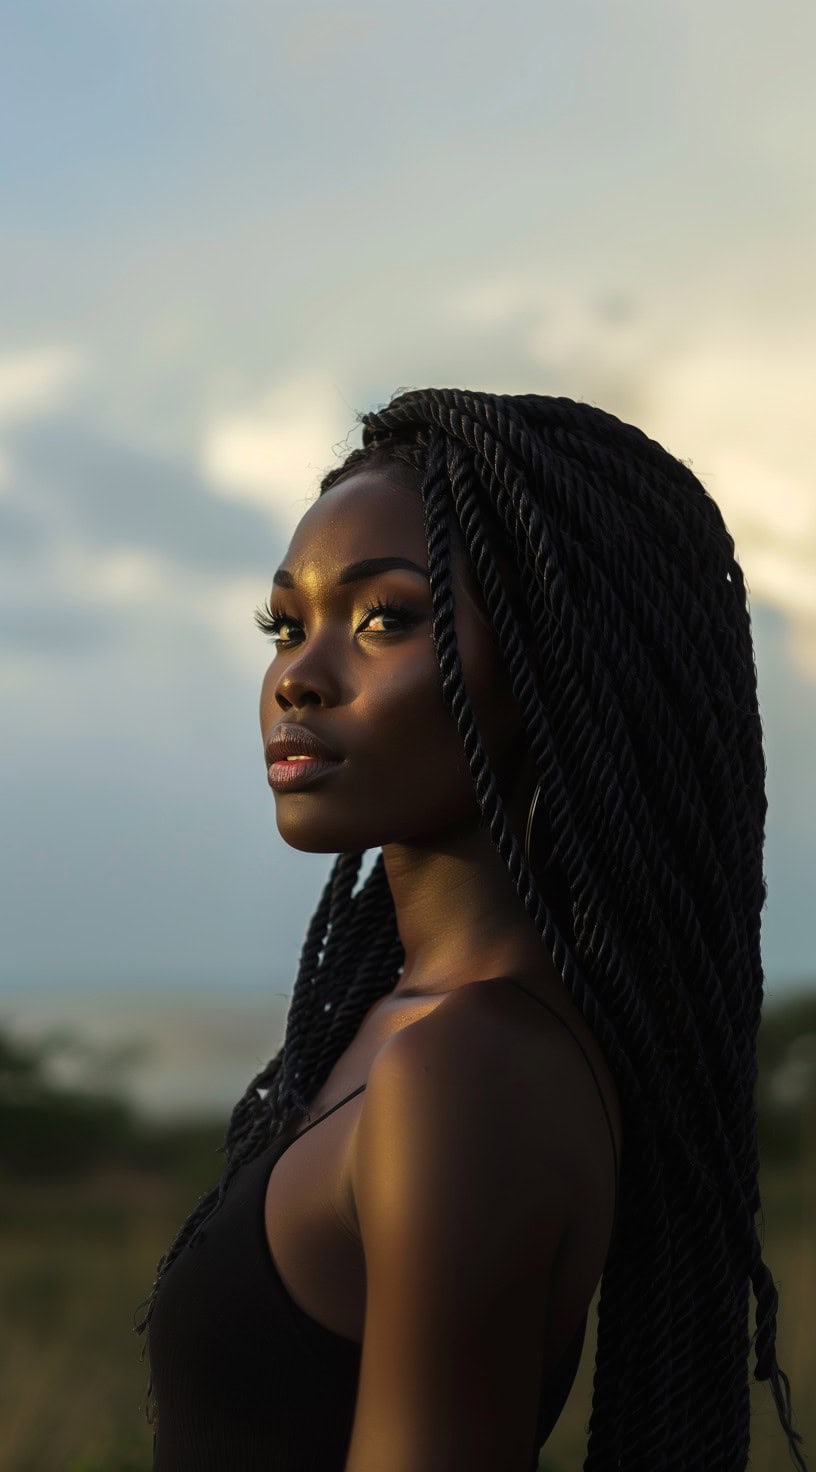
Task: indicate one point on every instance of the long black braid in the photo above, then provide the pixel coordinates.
(629, 647)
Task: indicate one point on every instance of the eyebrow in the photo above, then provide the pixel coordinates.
(356, 571)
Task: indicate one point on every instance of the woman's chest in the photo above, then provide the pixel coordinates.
(310, 1219)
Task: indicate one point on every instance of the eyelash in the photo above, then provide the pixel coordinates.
(269, 619)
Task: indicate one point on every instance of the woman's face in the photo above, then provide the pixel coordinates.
(369, 684)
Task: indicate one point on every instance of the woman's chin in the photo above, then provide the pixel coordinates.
(316, 838)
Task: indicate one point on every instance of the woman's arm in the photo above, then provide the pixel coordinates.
(461, 1178)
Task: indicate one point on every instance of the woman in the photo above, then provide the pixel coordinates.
(512, 651)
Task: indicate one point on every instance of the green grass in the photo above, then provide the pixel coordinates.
(77, 1258)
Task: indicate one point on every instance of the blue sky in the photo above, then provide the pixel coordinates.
(227, 229)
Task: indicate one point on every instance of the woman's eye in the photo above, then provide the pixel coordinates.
(272, 620)
(388, 611)
(275, 626)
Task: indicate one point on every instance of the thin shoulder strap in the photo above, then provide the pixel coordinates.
(594, 1075)
(330, 1111)
(289, 1135)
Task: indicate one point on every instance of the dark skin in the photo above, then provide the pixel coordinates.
(472, 1179)
(372, 689)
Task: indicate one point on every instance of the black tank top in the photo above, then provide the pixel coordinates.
(246, 1379)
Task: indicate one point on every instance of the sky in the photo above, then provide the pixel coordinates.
(225, 231)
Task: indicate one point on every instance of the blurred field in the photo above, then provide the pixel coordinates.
(75, 1261)
(79, 1240)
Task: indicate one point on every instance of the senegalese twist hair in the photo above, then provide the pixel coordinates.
(640, 707)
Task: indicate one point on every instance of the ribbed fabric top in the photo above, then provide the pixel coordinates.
(243, 1377)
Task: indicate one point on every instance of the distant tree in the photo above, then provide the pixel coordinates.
(786, 1093)
(61, 1114)
(49, 1128)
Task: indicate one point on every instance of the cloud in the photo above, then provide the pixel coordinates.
(590, 344)
(265, 453)
(738, 407)
(128, 500)
(34, 381)
(784, 580)
(112, 552)
(732, 401)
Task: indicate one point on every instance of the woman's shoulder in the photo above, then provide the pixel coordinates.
(464, 1174)
(490, 1064)
(504, 1020)
(458, 1126)
(528, 1085)
(558, 1064)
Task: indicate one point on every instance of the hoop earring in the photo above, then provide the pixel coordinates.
(527, 835)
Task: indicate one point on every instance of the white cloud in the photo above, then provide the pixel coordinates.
(128, 575)
(36, 380)
(492, 302)
(731, 399)
(801, 647)
(776, 575)
(765, 499)
(739, 409)
(582, 333)
(272, 451)
(33, 381)
(229, 606)
(141, 581)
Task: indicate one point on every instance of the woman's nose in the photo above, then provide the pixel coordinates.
(309, 675)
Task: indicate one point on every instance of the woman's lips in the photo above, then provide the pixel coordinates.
(298, 772)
